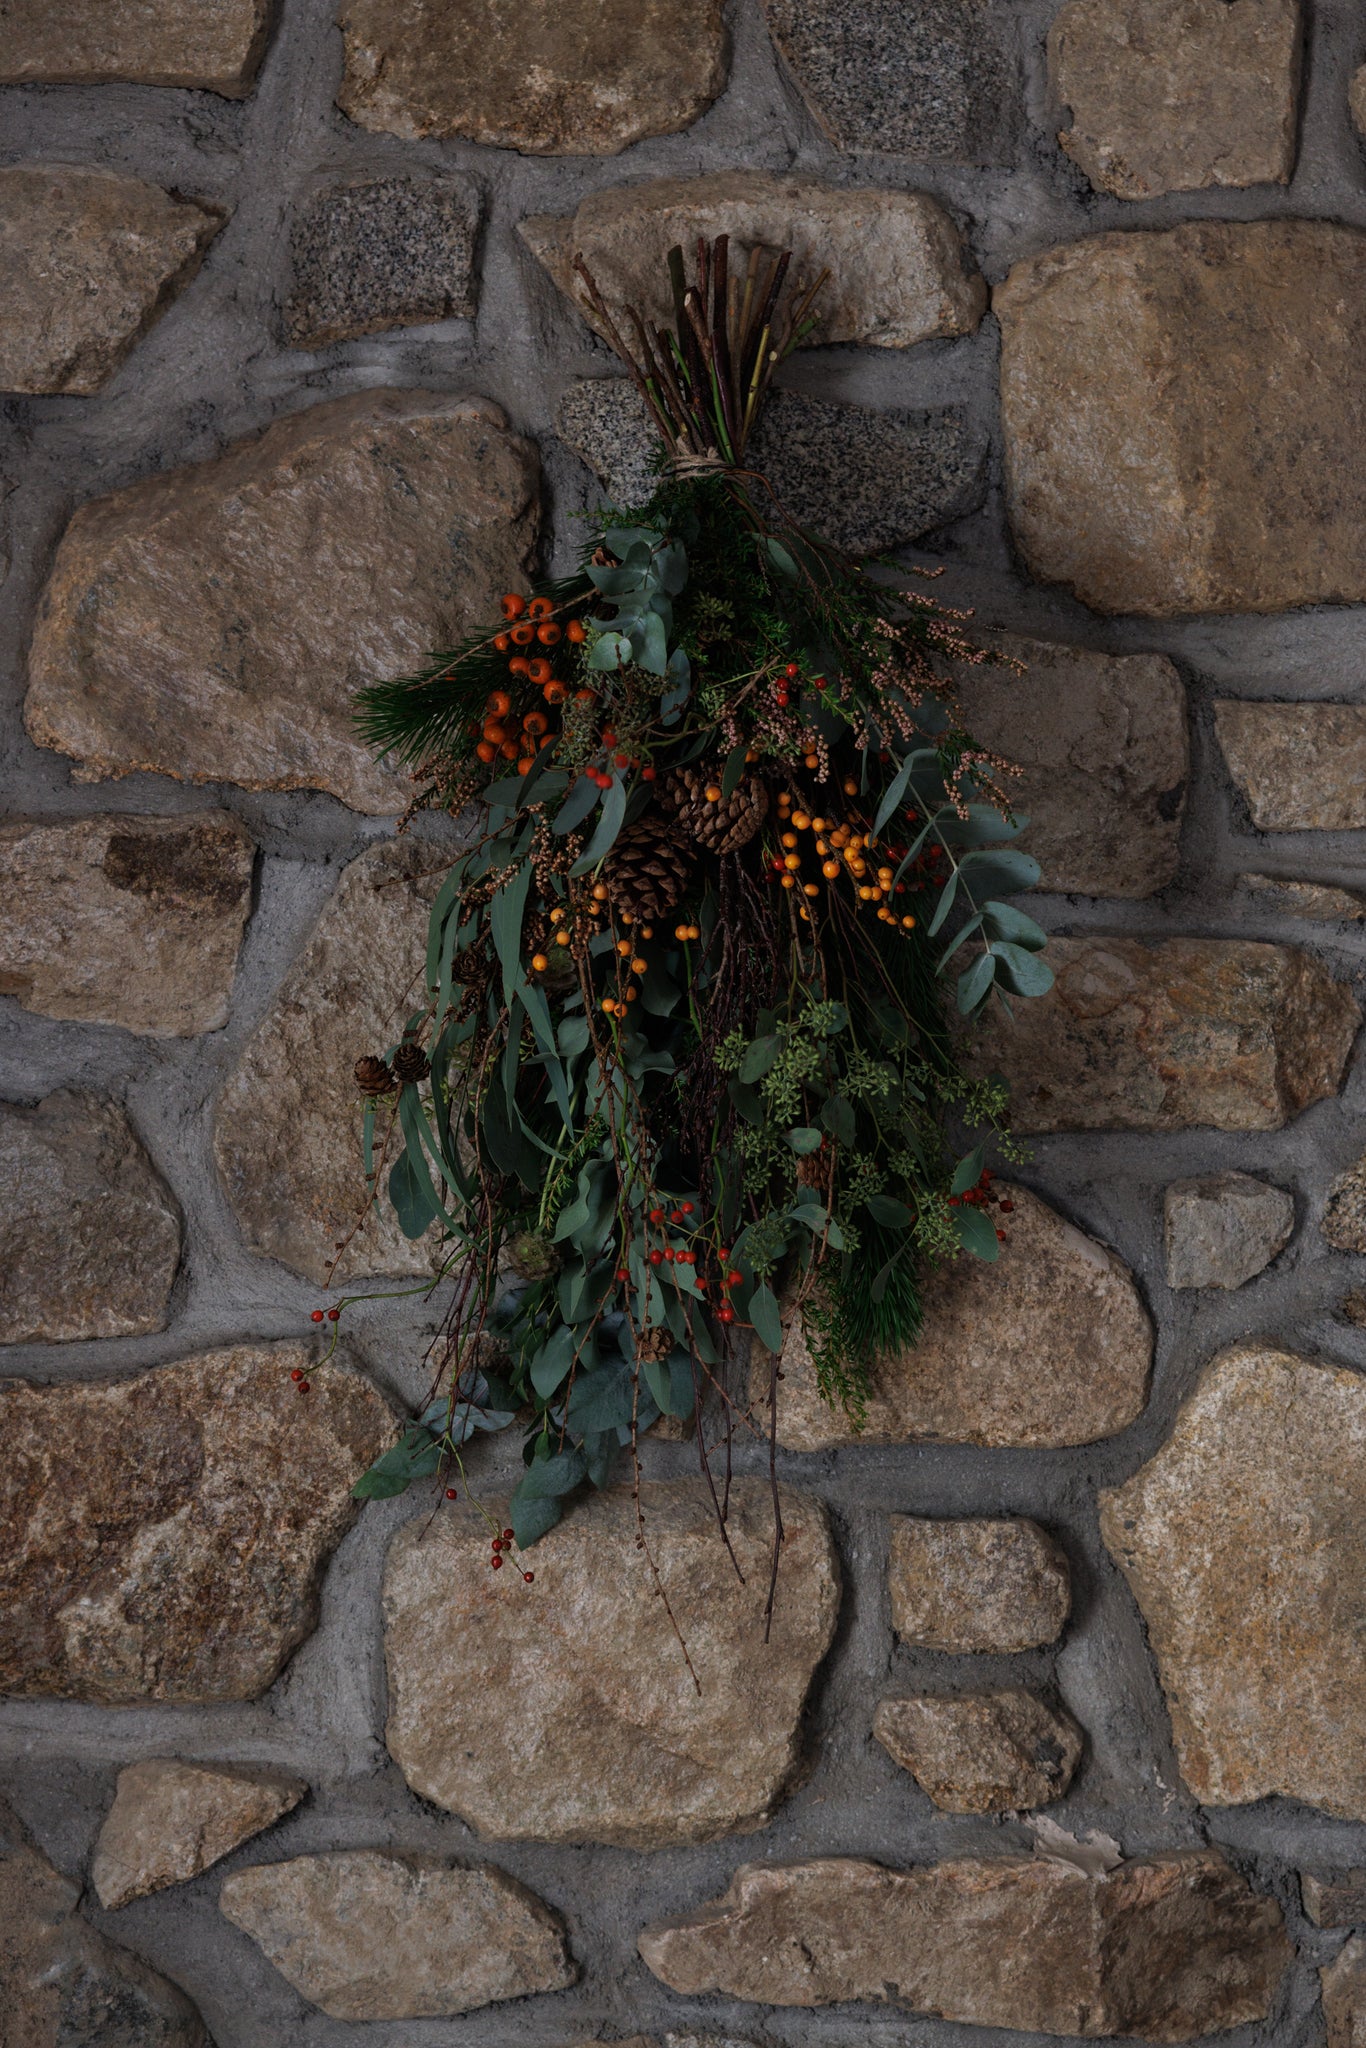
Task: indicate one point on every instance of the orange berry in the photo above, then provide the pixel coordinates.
(486, 751)
(792, 861)
(522, 635)
(849, 786)
(498, 704)
(534, 721)
(638, 966)
(813, 760)
(495, 730)
(513, 605)
(526, 764)
(789, 881)
(554, 693)
(509, 750)
(549, 633)
(712, 793)
(519, 664)
(501, 642)
(538, 671)
(539, 962)
(810, 889)
(576, 631)
(609, 1004)
(631, 994)
(540, 608)
(562, 937)
(830, 868)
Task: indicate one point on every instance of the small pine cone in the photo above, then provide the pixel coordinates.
(411, 1063)
(373, 1075)
(726, 823)
(654, 1346)
(648, 869)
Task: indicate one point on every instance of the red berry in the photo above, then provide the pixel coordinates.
(317, 1315)
(507, 1535)
(609, 738)
(621, 760)
(725, 1314)
(303, 1386)
(528, 1576)
(733, 1279)
(724, 1253)
(497, 1563)
(497, 1543)
(296, 1374)
(669, 1256)
(333, 1314)
(622, 1275)
(688, 1208)
(793, 669)
(1000, 1237)
(783, 698)
(451, 1493)
(656, 1215)
(1007, 1208)
(656, 1257)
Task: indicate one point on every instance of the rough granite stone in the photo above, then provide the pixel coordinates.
(1184, 416)
(933, 81)
(1344, 1212)
(899, 269)
(125, 920)
(1326, 905)
(1343, 1983)
(1048, 1346)
(91, 1232)
(62, 1985)
(1164, 1948)
(585, 78)
(1175, 95)
(995, 1583)
(1242, 1543)
(215, 622)
(90, 259)
(982, 1752)
(1336, 1900)
(368, 1936)
(391, 252)
(1222, 1228)
(1101, 743)
(587, 1726)
(213, 44)
(178, 1556)
(1300, 767)
(170, 1820)
(1167, 1034)
(870, 480)
(288, 1126)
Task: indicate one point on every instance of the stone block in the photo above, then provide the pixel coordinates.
(982, 1752)
(1343, 1983)
(133, 921)
(1300, 767)
(214, 623)
(1223, 1228)
(1168, 1034)
(1241, 1542)
(213, 44)
(1335, 1900)
(1344, 1211)
(388, 252)
(171, 1820)
(994, 1583)
(1184, 418)
(1316, 900)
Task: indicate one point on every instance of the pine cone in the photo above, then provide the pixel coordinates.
(411, 1063)
(654, 1346)
(373, 1075)
(648, 869)
(726, 823)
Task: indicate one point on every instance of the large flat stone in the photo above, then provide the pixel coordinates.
(995, 1583)
(934, 81)
(388, 252)
(867, 480)
(1242, 1542)
(91, 1232)
(128, 920)
(62, 1985)
(1320, 901)
(1221, 1229)
(1185, 416)
(1343, 1983)
(214, 623)
(90, 258)
(1164, 1948)
(368, 1936)
(215, 44)
(565, 1711)
(170, 1820)
(981, 1752)
(178, 1556)
(1100, 740)
(1175, 95)
(1048, 1346)
(899, 270)
(1167, 1034)
(586, 78)
(287, 1130)
(1301, 767)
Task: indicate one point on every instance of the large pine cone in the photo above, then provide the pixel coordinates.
(727, 823)
(648, 869)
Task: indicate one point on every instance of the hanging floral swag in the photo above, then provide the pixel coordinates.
(681, 1061)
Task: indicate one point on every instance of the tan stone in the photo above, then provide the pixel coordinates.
(288, 1127)
(89, 259)
(126, 920)
(1242, 1542)
(1164, 1948)
(91, 1232)
(215, 44)
(373, 1937)
(214, 623)
(981, 1752)
(585, 78)
(1317, 900)
(992, 1583)
(1337, 1900)
(899, 270)
(1101, 743)
(1344, 1211)
(1356, 98)
(170, 1820)
(566, 1712)
(1343, 1983)
(1301, 767)
(62, 1985)
(166, 1535)
(1184, 415)
(1175, 95)
(1048, 1346)
(1166, 1034)
(1221, 1229)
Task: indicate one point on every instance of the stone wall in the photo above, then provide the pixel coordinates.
(295, 382)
